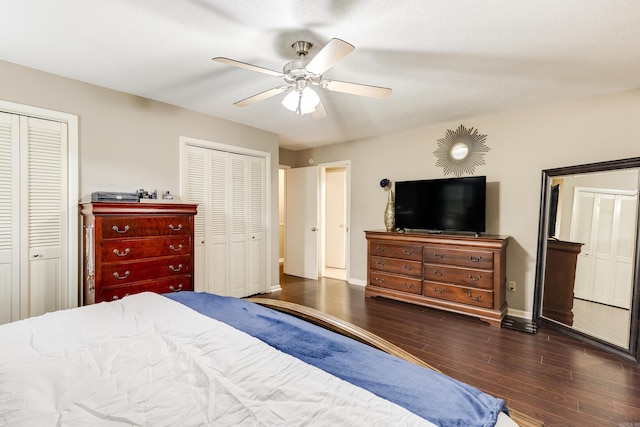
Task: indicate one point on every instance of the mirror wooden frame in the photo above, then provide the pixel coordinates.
(633, 350)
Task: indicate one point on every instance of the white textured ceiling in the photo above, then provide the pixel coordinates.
(444, 60)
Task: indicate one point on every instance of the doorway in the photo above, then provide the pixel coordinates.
(334, 212)
(316, 226)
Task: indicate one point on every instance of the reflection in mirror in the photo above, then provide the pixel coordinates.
(588, 236)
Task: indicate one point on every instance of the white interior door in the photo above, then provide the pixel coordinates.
(301, 236)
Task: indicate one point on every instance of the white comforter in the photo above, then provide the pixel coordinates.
(147, 360)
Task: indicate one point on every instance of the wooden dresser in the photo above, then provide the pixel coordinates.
(136, 247)
(459, 273)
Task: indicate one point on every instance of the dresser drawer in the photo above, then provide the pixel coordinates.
(460, 294)
(127, 272)
(162, 286)
(466, 258)
(392, 250)
(130, 226)
(397, 283)
(136, 248)
(459, 276)
(394, 265)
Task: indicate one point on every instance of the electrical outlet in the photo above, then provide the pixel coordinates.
(511, 285)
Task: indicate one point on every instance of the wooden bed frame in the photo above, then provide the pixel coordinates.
(345, 328)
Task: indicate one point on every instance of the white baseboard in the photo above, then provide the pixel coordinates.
(358, 282)
(519, 313)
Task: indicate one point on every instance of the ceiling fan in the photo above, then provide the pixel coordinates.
(300, 75)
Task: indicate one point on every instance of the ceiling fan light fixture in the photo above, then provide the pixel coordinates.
(302, 101)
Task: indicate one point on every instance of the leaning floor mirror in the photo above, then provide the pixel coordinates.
(588, 254)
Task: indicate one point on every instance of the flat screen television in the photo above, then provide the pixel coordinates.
(437, 205)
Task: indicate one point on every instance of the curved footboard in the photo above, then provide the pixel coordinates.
(350, 330)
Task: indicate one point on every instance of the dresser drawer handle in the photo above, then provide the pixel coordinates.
(472, 297)
(475, 279)
(381, 263)
(174, 269)
(174, 289)
(178, 228)
(441, 291)
(438, 273)
(381, 248)
(407, 267)
(125, 253)
(115, 297)
(379, 280)
(439, 256)
(408, 286)
(117, 229)
(174, 249)
(407, 252)
(474, 259)
(117, 275)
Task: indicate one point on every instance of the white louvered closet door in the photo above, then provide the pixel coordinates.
(33, 216)
(605, 222)
(229, 190)
(9, 218)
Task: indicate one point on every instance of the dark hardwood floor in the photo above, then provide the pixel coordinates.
(549, 376)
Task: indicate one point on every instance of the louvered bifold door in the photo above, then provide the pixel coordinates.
(9, 218)
(218, 222)
(257, 256)
(239, 230)
(195, 168)
(581, 226)
(43, 170)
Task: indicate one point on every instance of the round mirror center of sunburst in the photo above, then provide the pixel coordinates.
(459, 151)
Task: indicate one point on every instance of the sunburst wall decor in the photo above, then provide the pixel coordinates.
(460, 151)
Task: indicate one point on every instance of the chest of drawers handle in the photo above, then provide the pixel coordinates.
(439, 256)
(178, 228)
(441, 291)
(407, 285)
(174, 269)
(438, 273)
(475, 279)
(381, 248)
(471, 297)
(381, 263)
(117, 275)
(474, 258)
(174, 249)
(407, 267)
(379, 280)
(117, 229)
(172, 289)
(408, 252)
(125, 253)
(115, 297)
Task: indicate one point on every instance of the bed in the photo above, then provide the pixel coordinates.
(200, 359)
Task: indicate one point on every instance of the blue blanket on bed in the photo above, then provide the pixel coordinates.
(429, 394)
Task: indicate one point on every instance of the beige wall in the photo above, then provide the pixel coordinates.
(127, 142)
(522, 144)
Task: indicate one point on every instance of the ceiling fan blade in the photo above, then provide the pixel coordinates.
(356, 89)
(320, 112)
(247, 66)
(329, 55)
(261, 96)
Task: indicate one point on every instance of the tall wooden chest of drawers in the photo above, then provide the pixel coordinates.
(459, 273)
(136, 247)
